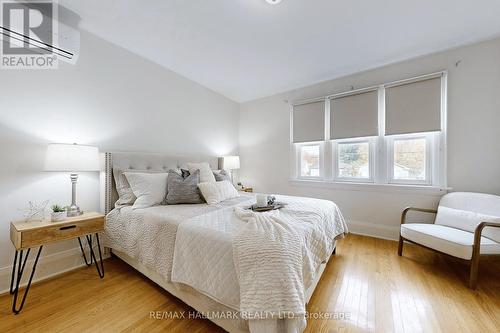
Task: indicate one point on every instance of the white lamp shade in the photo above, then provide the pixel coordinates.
(230, 162)
(71, 158)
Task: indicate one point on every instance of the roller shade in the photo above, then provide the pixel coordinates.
(354, 116)
(309, 122)
(413, 107)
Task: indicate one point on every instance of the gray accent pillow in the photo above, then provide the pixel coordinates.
(222, 175)
(219, 175)
(183, 190)
(185, 173)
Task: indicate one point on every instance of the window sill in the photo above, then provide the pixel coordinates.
(348, 186)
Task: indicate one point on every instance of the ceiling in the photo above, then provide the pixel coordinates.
(247, 49)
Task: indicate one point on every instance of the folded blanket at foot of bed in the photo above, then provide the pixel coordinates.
(258, 263)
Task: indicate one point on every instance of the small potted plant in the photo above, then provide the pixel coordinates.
(58, 213)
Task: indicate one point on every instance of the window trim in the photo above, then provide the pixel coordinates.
(429, 158)
(379, 158)
(371, 159)
(370, 187)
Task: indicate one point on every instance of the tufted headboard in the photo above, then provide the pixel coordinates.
(142, 161)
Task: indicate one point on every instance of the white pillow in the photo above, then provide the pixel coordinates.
(206, 174)
(468, 221)
(149, 188)
(125, 194)
(215, 192)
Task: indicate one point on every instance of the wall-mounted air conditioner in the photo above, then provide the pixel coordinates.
(65, 41)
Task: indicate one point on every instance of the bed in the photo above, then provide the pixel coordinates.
(192, 250)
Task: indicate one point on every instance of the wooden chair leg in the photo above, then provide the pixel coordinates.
(474, 269)
(400, 246)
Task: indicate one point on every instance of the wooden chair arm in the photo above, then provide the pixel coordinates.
(476, 249)
(479, 230)
(422, 210)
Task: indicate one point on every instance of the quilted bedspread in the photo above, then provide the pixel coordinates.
(198, 245)
(148, 234)
(205, 258)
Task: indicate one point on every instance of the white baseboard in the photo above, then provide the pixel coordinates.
(383, 231)
(48, 266)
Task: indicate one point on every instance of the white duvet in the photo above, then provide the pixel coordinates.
(204, 247)
(204, 259)
(148, 234)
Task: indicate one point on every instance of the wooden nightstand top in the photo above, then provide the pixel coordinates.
(29, 234)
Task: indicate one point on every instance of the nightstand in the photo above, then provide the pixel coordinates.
(26, 235)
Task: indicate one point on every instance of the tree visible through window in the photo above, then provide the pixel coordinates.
(309, 161)
(342, 140)
(353, 160)
(409, 159)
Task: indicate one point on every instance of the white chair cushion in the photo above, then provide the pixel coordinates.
(468, 221)
(455, 242)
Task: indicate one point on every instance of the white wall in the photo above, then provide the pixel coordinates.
(473, 136)
(111, 98)
(119, 101)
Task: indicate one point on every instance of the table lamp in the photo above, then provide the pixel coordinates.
(72, 158)
(230, 163)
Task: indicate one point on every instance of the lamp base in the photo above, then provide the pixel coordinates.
(73, 210)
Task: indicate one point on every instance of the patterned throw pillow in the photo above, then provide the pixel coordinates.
(219, 175)
(222, 175)
(183, 190)
(185, 173)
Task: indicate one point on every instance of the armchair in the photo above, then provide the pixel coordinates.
(467, 226)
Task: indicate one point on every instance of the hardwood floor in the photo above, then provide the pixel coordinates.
(366, 280)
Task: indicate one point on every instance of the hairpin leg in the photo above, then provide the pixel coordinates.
(100, 270)
(20, 270)
(11, 290)
(83, 251)
(19, 267)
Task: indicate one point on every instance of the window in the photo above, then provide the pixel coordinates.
(310, 161)
(353, 160)
(409, 159)
(392, 133)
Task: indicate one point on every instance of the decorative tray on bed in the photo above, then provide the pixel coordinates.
(273, 206)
